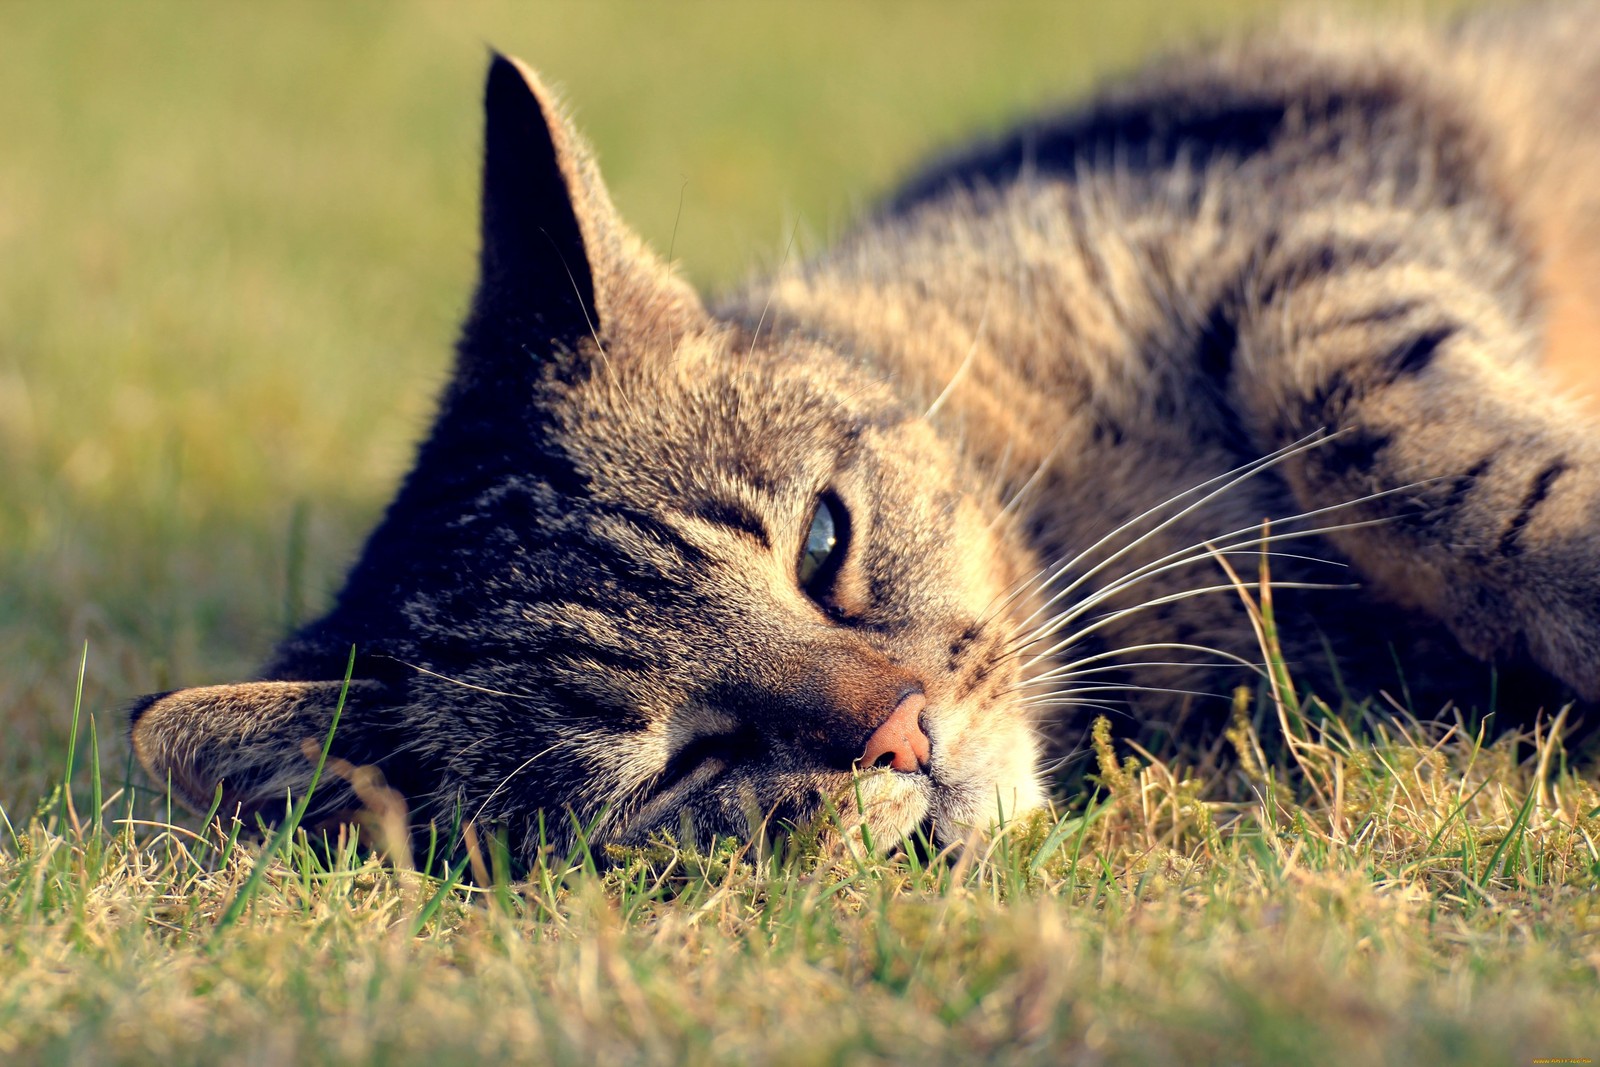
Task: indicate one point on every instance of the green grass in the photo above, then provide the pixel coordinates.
(234, 243)
(1411, 896)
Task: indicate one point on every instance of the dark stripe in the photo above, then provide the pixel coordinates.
(1432, 516)
(573, 651)
(600, 702)
(1105, 430)
(560, 644)
(1383, 314)
(1355, 449)
(569, 561)
(1415, 355)
(1320, 260)
(572, 584)
(1333, 399)
(1536, 494)
(659, 531)
(1191, 115)
(733, 515)
(1327, 406)
(1217, 342)
(1464, 483)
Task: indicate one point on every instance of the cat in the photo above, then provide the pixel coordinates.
(873, 530)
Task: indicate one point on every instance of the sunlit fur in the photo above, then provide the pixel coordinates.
(1280, 300)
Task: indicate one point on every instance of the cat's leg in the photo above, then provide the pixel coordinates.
(1427, 379)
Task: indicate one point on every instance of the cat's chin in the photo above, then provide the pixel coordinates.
(888, 804)
(897, 806)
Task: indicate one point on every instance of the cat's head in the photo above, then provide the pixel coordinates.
(651, 570)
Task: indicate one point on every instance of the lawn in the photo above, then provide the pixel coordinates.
(234, 246)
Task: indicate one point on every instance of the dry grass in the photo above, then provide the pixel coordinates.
(233, 244)
(1412, 895)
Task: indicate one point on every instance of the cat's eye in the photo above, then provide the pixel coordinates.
(826, 542)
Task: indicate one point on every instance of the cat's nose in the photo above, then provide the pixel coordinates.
(900, 743)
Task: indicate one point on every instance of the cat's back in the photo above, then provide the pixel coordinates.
(1319, 102)
(1099, 228)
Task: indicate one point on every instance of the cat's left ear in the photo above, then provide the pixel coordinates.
(557, 265)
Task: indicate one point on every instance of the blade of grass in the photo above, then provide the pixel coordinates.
(428, 909)
(94, 771)
(69, 814)
(285, 833)
(1518, 825)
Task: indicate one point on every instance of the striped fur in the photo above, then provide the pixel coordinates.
(1354, 267)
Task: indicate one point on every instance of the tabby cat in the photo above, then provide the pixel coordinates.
(868, 530)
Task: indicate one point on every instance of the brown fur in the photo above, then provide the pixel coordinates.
(1022, 384)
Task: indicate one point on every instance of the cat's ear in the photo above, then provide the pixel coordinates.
(258, 741)
(557, 265)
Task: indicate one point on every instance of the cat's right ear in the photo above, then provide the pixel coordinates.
(558, 267)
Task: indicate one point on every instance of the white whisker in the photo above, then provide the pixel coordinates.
(1230, 479)
(1027, 486)
(1217, 543)
(1069, 673)
(1064, 698)
(1199, 553)
(464, 685)
(506, 781)
(1053, 676)
(1171, 598)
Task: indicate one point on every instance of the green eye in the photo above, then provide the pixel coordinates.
(824, 549)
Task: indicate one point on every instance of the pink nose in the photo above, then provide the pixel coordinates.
(900, 743)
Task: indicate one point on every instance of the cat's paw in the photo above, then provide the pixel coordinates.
(1549, 614)
(1562, 634)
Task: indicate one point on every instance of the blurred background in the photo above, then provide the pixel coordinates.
(235, 242)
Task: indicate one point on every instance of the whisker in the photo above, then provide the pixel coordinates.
(1038, 472)
(1171, 598)
(1108, 668)
(524, 765)
(1003, 600)
(1063, 564)
(1122, 712)
(1198, 553)
(1056, 765)
(465, 685)
(1167, 563)
(1218, 541)
(1054, 701)
(767, 306)
(1230, 479)
(1068, 671)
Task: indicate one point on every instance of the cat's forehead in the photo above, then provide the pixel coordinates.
(777, 416)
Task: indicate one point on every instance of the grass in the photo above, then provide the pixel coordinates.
(1410, 894)
(233, 246)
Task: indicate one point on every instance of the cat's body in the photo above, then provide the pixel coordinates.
(586, 598)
